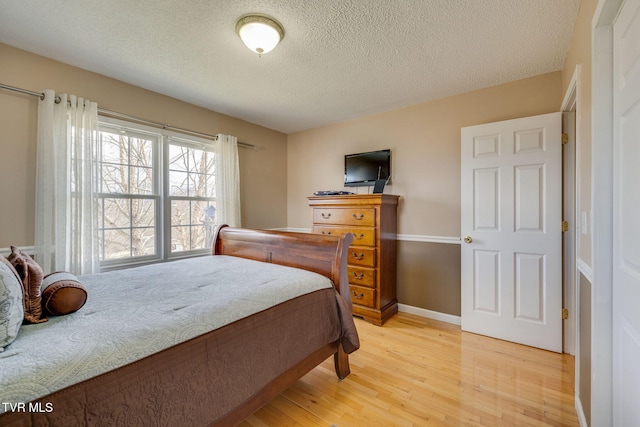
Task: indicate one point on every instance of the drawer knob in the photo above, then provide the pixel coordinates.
(358, 276)
(358, 217)
(325, 216)
(326, 232)
(360, 236)
(356, 296)
(356, 256)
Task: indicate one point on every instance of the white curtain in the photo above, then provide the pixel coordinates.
(66, 220)
(227, 181)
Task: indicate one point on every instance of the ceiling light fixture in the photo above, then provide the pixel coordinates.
(259, 32)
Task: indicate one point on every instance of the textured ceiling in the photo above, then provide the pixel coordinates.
(339, 59)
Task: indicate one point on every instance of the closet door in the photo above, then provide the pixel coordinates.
(626, 215)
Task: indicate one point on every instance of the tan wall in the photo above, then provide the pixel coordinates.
(580, 53)
(262, 171)
(425, 144)
(429, 276)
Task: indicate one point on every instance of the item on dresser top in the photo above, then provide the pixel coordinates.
(378, 187)
(330, 193)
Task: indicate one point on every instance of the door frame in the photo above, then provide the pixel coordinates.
(570, 174)
(602, 208)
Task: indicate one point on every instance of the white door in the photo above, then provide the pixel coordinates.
(626, 215)
(512, 226)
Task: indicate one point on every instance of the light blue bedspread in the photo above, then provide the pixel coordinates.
(136, 312)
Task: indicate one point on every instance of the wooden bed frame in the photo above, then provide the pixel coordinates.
(323, 254)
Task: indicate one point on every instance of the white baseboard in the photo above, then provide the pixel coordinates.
(429, 314)
(581, 417)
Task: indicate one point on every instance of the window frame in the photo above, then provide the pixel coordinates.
(163, 140)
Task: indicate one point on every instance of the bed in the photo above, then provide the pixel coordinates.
(211, 339)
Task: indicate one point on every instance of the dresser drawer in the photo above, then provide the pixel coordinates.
(361, 276)
(362, 236)
(359, 255)
(365, 217)
(363, 296)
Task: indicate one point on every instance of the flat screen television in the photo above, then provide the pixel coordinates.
(362, 169)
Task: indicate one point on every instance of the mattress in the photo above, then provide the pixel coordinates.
(134, 313)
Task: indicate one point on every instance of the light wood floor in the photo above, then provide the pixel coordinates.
(421, 372)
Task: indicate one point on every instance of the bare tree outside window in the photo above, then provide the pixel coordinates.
(127, 208)
(191, 192)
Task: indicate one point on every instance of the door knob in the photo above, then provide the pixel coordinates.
(468, 239)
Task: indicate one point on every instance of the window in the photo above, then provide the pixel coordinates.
(128, 194)
(191, 196)
(156, 196)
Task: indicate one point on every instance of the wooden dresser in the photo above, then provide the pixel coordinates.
(372, 218)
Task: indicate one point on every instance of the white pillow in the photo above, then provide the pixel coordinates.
(11, 306)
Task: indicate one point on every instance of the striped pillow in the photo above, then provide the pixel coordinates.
(62, 293)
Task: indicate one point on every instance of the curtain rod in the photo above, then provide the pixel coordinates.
(140, 120)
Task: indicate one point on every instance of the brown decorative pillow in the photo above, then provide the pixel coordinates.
(62, 293)
(31, 276)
